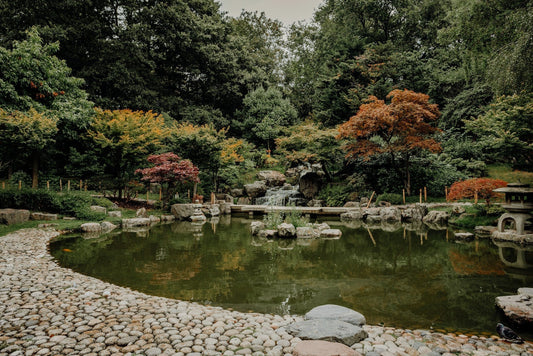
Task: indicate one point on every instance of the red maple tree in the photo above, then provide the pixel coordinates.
(398, 129)
(468, 189)
(169, 170)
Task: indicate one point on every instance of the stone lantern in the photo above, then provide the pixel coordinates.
(519, 206)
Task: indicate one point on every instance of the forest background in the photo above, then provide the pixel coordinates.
(89, 89)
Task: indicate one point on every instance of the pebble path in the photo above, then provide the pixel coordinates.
(49, 310)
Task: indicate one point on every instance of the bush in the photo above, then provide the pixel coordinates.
(334, 194)
(483, 187)
(395, 199)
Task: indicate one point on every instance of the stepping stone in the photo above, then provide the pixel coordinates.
(322, 348)
(327, 330)
(336, 312)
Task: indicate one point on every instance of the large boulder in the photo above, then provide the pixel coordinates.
(322, 348)
(336, 312)
(390, 214)
(256, 226)
(436, 217)
(255, 189)
(135, 222)
(98, 209)
(91, 227)
(14, 216)
(352, 215)
(272, 178)
(414, 213)
(286, 230)
(331, 234)
(43, 216)
(327, 330)
(182, 211)
(310, 184)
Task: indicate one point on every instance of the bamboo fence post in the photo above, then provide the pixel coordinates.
(425, 194)
(403, 194)
(20, 184)
(370, 201)
(3, 185)
(81, 184)
(68, 185)
(446, 193)
(420, 196)
(212, 198)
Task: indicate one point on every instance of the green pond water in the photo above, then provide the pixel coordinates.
(401, 278)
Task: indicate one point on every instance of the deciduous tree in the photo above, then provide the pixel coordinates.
(399, 129)
(482, 187)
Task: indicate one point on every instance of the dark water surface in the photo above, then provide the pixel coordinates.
(402, 278)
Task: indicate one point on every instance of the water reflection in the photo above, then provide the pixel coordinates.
(404, 275)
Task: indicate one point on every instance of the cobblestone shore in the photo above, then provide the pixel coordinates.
(49, 310)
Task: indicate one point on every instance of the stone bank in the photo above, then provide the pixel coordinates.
(49, 310)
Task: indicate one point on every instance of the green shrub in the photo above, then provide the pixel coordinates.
(296, 218)
(334, 194)
(395, 199)
(272, 220)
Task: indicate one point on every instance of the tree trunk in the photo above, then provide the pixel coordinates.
(35, 170)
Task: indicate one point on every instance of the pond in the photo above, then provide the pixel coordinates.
(401, 278)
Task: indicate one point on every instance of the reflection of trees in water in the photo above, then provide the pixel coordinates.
(409, 277)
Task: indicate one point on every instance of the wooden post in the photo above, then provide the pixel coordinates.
(403, 194)
(68, 185)
(81, 184)
(425, 194)
(212, 198)
(60, 185)
(446, 192)
(20, 184)
(85, 185)
(370, 200)
(420, 196)
(3, 185)
(47, 185)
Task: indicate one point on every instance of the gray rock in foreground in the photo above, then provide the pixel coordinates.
(336, 312)
(14, 216)
(328, 330)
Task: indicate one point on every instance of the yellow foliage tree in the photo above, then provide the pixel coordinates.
(123, 139)
(26, 133)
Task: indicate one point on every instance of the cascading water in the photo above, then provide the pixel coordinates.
(281, 196)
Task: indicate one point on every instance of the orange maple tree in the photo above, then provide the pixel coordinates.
(483, 187)
(399, 129)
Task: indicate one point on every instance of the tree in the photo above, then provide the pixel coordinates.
(482, 187)
(399, 129)
(26, 133)
(505, 131)
(170, 171)
(122, 138)
(263, 116)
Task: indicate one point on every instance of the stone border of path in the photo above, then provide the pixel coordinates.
(49, 310)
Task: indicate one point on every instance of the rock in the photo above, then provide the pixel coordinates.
(363, 201)
(458, 210)
(115, 214)
(330, 233)
(320, 227)
(255, 189)
(243, 201)
(528, 292)
(518, 308)
(464, 236)
(225, 208)
(351, 204)
(135, 222)
(107, 226)
(211, 210)
(484, 231)
(198, 216)
(390, 214)
(14, 216)
(336, 312)
(154, 219)
(182, 211)
(167, 218)
(414, 213)
(436, 217)
(306, 232)
(322, 348)
(43, 216)
(315, 203)
(328, 330)
(286, 230)
(352, 215)
(141, 213)
(269, 234)
(310, 184)
(272, 178)
(91, 227)
(98, 209)
(256, 226)
(237, 192)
